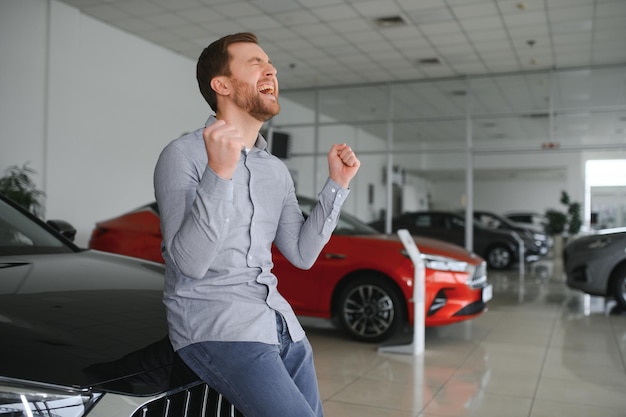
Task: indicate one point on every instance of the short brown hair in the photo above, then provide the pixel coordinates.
(215, 60)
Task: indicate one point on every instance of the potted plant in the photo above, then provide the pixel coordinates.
(17, 184)
(564, 223)
(556, 222)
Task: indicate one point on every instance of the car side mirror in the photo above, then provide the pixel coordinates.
(64, 228)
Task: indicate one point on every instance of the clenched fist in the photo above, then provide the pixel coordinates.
(223, 144)
(342, 164)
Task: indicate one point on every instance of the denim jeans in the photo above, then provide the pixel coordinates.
(261, 380)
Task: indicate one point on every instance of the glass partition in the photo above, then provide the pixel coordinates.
(505, 94)
(429, 99)
(354, 104)
(430, 122)
(297, 107)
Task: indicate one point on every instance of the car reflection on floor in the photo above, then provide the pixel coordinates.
(541, 349)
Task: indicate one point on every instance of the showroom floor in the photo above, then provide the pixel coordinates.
(540, 351)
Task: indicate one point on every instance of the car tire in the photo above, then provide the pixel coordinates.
(370, 309)
(499, 257)
(618, 286)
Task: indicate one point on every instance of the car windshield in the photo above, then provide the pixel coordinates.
(459, 222)
(494, 221)
(20, 235)
(347, 224)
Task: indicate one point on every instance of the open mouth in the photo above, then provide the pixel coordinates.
(267, 90)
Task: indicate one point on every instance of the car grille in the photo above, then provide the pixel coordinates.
(196, 401)
(579, 274)
(479, 277)
(438, 303)
(471, 309)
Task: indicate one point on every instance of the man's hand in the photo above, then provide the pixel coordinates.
(342, 164)
(223, 146)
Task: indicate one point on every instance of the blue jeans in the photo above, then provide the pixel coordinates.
(261, 380)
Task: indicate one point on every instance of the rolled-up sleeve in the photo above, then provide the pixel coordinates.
(194, 206)
(302, 243)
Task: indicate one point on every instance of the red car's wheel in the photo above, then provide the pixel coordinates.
(370, 309)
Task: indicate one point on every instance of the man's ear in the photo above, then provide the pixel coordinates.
(220, 85)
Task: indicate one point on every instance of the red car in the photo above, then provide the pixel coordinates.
(362, 278)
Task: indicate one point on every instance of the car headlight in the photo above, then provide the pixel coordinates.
(442, 263)
(29, 400)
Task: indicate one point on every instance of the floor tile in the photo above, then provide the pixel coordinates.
(541, 350)
(548, 408)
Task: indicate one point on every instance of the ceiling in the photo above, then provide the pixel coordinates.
(510, 46)
(338, 42)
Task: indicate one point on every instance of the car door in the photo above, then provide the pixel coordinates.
(434, 225)
(455, 229)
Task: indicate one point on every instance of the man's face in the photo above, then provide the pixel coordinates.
(254, 81)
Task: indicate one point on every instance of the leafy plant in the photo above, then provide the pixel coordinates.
(556, 222)
(570, 221)
(17, 184)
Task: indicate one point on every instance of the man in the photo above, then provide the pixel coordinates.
(223, 199)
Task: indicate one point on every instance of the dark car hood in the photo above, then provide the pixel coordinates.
(85, 319)
(607, 235)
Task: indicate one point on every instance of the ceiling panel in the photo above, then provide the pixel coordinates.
(509, 47)
(467, 36)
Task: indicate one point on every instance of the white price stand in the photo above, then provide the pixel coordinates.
(419, 288)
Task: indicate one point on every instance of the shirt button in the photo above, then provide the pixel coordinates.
(332, 190)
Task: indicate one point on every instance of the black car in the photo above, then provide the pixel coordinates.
(534, 220)
(84, 332)
(499, 248)
(596, 264)
(536, 241)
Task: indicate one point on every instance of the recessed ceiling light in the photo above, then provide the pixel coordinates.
(537, 115)
(390, 21)
(429, 61)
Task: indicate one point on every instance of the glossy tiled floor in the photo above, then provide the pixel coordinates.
(540, 351)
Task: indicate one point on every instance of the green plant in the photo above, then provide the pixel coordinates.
(17, 184)
(556, 222)
(570, 221)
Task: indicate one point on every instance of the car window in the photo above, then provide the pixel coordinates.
(489, 221)
(20, 235)
(423, 220)
(457, 222)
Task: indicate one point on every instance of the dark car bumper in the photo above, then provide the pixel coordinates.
(586, 272)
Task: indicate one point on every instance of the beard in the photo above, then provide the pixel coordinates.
(251, 101)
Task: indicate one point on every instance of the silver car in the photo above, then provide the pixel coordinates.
(596, 264)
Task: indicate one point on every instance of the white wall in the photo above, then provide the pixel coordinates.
(22, 82)
(534, 193)
(90, 107)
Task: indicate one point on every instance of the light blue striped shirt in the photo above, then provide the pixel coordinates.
(217, 238)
